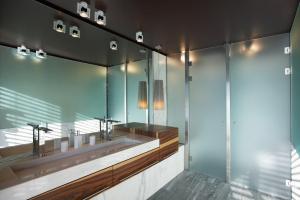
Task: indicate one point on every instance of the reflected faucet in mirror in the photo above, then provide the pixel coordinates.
(106, 133)
(36, 137)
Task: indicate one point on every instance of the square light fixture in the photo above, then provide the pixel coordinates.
(100, 18)
(139, 36)
(22, 50)
(41, 54)
(59, 26)
(83, 9)
(75, 32)
(113, 45)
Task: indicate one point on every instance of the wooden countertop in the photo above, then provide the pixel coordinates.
(29, 167)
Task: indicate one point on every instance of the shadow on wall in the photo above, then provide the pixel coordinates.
(18, 109)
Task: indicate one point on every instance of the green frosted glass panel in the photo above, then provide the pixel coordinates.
(175, 94)
(207, 113)
(295, 57)
(48, 90)
(136, 71)
(116, 92)
(260, 115)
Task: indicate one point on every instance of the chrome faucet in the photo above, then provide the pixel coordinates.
(36, 137)
(107, 133)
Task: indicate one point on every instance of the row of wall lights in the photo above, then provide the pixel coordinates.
(22, 50)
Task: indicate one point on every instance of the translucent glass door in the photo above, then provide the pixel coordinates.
(207, 112)
(260, 114)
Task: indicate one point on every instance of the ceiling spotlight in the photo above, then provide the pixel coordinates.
(139, 36)
(113, 45)
(22, 50)
(83, 10)
(158, 47)
(40, 54)
(59, 26)
(100, 18)
(75, 32)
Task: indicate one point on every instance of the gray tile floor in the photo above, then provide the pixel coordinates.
(195, 186)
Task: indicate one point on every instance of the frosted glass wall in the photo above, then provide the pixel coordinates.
(116, 93)
(175, 94)
(260, 114)
(295, 45)
(207, 113)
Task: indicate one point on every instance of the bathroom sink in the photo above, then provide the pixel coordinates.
(77, 156)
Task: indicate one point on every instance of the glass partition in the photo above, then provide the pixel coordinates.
(175, 94)
(207, 113)
(260, 114)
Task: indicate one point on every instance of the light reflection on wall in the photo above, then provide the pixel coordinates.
(21, 109)
(295, 175)
(86, 124)
(274, 168)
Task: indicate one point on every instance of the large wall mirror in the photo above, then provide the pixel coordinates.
(81, 77)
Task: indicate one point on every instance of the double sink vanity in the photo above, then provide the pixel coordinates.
(89, 170)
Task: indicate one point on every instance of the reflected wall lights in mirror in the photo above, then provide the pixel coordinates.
(142, 95)
(158, 95)
(40, 54)
(22, 50)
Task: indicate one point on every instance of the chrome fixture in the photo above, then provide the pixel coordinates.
(158, 95)
(40, 54)
(139, 36)
(36, 137)
(142, 95)
(106, 134)
(113, 45)
(74, 32)
(100, 18)
(22, 50)
(59, 26)
(83, 10)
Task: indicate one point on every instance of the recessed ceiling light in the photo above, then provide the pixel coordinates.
(22, 50)
(139, 36)
(158, 47)
(83, 10)
(75, 32)
(59, 26)
(113, 45)
(100, 18)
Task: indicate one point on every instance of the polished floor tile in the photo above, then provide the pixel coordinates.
(191, 185)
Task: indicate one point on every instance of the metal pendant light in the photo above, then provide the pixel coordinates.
(158, 95)
(142, 95)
